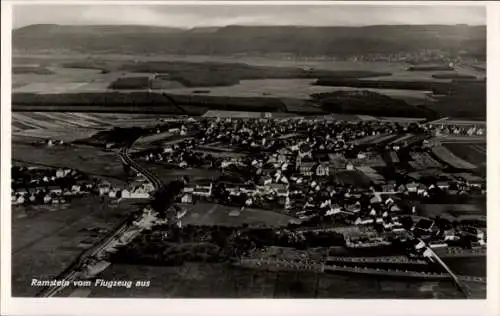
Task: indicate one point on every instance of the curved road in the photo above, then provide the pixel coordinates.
(125, 157)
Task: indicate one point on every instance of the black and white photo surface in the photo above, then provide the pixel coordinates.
(248, 151)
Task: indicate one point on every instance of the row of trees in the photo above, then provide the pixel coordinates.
(217, 243)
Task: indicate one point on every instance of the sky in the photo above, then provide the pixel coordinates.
(187, 16)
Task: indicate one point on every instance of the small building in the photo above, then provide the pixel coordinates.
(281, 189)
(361, 156)
(19, 200)
(322, 170)
(389, 201)
(168, 150)
(422, 188)
(203, 190)
(55, 190)
(354, 208)
(306, 168)
(188, 189)
(112, 194)
(187, 198)
(376, 199)
(334, 209)
(449, 234)
(139, 195)
(249, 202)
(47, 199)
(266, 180)
(364, 221)
(22, 191)
(412, 187)
(388, 188)
(443, 185)
(125, 194)
(394, 208)
(60, 173)
(76, 188)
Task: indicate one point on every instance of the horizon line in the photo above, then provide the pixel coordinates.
(249, 25)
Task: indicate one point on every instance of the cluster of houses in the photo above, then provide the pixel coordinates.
(35, 185)
(49, 142)
(458, 130)
(292, 164)
(255, 134)
(197, 190)
(297, 161)
(141, 190)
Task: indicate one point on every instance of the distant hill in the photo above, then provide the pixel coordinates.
(256, 40)
(51, 30)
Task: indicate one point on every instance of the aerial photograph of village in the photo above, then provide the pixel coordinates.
(249, 151)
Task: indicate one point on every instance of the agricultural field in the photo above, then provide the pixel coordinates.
(372, 160)
(472, 153)
(220, 154)
(337, 161)
(89, 160)
(412, 97)
(394, 157)
(382, 139)
(64, 80)
(301, 106)
(196, 280)
(145, 140)
(469, 266)
(66, 135)
(453, 211)
(354, 178)
(129, 77)
(167, 174)
(448, 157)
(374, 139)
(286, 88)
(371, 174)
(160, 83)
(367, 139)
(29, 127)
(55, 120)
(233, 114)
(55, 237)
(423, 160)
(401, 139)
(216, 214)
(131, 83)
(295, 89)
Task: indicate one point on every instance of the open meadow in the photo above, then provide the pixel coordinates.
(57, 235)
(446, 156)
(474, 153)
(216, 214)
(454, 211)
(295, 88)
(90, 160)
(205, 280)
(206, 76)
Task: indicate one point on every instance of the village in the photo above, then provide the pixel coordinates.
(35, 185)
(330, 173)
(369, 187)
